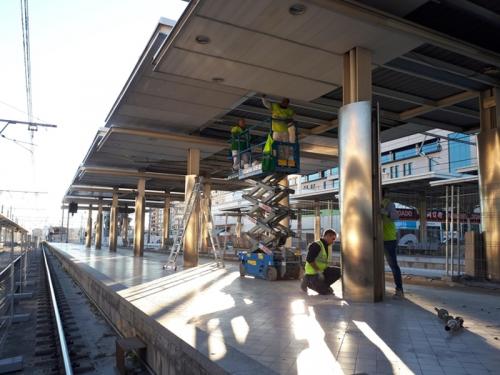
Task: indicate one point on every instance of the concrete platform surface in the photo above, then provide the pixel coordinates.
(251, 326)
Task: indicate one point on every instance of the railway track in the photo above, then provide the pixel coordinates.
(59, 329)
(59, 347)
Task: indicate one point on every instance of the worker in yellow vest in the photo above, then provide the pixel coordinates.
(319, 276)
(240, 143)
(389, 215)
(282, 123)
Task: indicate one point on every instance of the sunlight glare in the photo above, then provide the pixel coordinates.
(216, 347)
(383, 347)
(240, 329)
(306, 327)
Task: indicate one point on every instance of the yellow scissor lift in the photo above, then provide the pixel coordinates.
(267, 164)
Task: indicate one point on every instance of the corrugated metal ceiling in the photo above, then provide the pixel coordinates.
(452, 57)
(412, 85)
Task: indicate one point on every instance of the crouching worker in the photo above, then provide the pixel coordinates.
(318, 275)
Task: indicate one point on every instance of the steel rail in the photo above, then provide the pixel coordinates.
(60, 331)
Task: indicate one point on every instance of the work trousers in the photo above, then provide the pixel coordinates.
(392, 260)
(331, 275)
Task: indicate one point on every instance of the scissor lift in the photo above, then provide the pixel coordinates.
(269, 258)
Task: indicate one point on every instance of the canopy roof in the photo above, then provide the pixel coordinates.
(196, 78)
(5, 222)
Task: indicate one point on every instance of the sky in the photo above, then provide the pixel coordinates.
(82, 52)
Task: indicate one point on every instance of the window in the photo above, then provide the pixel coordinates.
(314, 176)
(407, 167)
(303, 179)
(431, 146)
(459, 153)
(386, 157)
(335, 171)
(405, 153)
(336, 184)
(430, 164)
(394, 171)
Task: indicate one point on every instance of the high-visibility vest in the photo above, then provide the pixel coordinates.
(321, 260)
(281, 117)
(389, 227)
(239, 142)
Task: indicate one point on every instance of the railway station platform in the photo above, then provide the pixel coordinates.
(207, 320)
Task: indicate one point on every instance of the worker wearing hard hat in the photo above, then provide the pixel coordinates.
(282, 120)
(240, 144)
(319, 276)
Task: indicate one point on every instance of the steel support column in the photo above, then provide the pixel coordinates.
(166, 221)
(125, 227)
(238, 226)
(67, 227)
(62, 224)
(205, 242)
(140, 211)
(361, 250)
(422, 213)
(286, 221)
(317, 221)
(330, 214)
(489, 179)
(299, 226)
(98, 229)
(113, 222)
(88, 230)
(192, 231)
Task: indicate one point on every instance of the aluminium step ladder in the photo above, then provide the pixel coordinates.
(178, 242)
(219, 254)
(197, 195)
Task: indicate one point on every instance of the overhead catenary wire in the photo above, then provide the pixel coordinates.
(27, 59)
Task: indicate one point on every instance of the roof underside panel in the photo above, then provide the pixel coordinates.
(412, 85)
(261, 47)
(451, 118)
(319, 27)
(471, 104)
(444, 16)
(222, 54)
(452, 57)
(394, 105)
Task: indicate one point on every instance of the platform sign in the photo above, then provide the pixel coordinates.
(440, 216)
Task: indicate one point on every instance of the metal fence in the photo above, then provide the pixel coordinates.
(13, 279)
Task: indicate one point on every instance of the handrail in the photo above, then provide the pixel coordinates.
(62, 339)
(10, 265)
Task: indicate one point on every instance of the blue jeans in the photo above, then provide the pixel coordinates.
(390, 256)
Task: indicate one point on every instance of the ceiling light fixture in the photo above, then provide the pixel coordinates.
(202, 39)
(297, 9)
